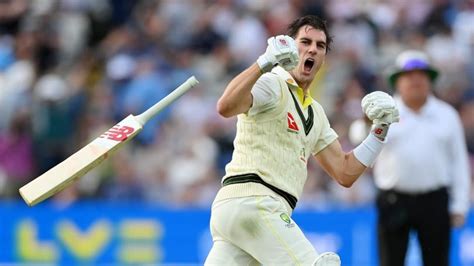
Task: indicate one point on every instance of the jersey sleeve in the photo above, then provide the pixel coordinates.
(266, 93)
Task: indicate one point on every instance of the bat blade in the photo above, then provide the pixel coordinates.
(79, 163)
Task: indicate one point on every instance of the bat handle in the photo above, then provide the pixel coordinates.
(170, 98)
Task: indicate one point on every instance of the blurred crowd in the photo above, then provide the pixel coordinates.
(71, 69)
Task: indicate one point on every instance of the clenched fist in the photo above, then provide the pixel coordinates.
(281, 50)
(380, 108)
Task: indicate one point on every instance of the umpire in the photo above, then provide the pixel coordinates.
(422, 173)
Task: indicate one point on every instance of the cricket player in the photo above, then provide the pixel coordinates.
(279, 127)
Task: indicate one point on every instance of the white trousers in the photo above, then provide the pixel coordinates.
(257, 230)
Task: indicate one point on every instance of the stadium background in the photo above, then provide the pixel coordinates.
(69, 69)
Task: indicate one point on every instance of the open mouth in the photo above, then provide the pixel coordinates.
(308, 64)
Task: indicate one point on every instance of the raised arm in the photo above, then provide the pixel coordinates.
(344, 167)
(237, 97)
(341, 166)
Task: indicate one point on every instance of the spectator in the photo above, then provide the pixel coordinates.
(16, 152)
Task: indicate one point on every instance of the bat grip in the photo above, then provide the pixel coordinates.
(170, 98)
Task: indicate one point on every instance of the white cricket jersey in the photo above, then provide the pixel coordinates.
(426, 151)
(277, 135)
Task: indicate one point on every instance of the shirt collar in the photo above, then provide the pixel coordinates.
(293, 85)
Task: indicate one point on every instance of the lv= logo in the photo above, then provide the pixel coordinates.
(292, 126)
(118, 133)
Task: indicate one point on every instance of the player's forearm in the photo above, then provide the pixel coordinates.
(345, 168)
(351, 170)
(237, 97)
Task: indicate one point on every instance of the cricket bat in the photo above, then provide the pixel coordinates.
(78, 164)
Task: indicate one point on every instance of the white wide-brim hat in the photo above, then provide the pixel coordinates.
(411, 60)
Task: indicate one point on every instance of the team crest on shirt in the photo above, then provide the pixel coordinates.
(292, 126)
(286, 218)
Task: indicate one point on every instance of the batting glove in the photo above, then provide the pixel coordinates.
(281, 50)
(380, 108)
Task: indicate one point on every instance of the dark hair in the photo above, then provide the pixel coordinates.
(313, 21)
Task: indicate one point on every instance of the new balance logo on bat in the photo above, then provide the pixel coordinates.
(118, 133)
